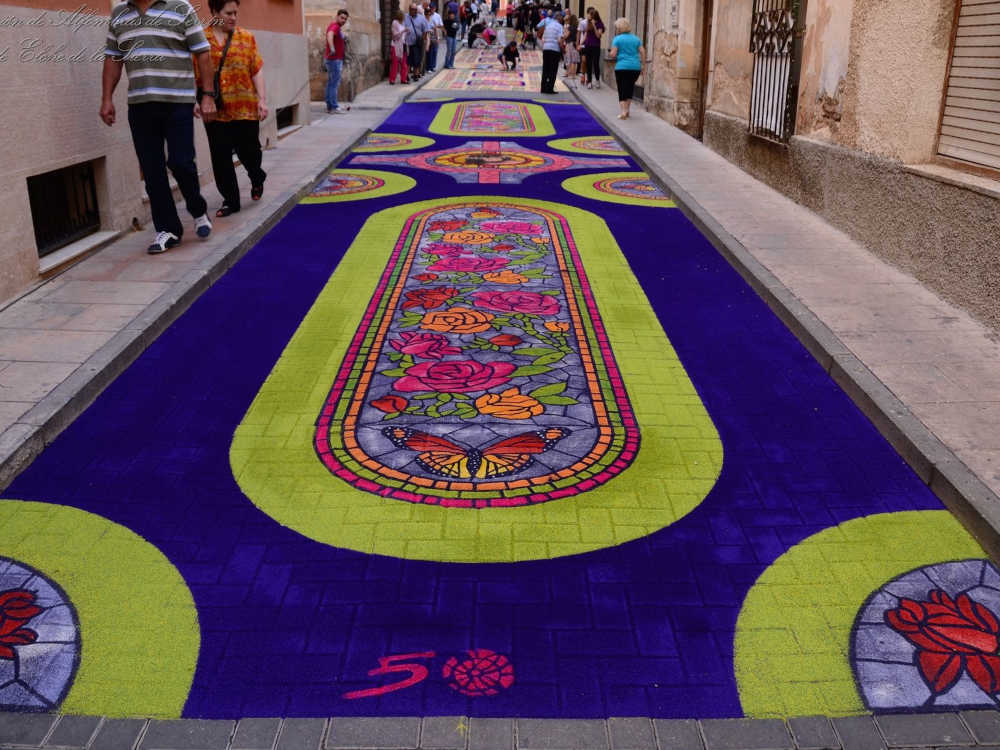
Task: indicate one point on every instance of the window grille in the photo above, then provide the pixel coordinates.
(63, 206)
(775, 42)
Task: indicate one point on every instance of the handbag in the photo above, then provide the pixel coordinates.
(216, 80)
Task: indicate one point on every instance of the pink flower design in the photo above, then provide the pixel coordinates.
(443, 248)
(483, 672)
(454, 377)
(517, 301)
(469, 264)
(423, 345)
(510, 227)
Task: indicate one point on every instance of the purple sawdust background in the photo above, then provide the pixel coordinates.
(288, 624)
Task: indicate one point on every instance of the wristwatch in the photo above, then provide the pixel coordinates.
(203, 93)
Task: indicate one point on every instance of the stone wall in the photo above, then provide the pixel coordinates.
(50, 120)
(364, 65)
(942, 234)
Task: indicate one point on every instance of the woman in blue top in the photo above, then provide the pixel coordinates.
(628, 53)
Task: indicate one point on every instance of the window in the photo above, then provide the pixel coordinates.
(970, 122)
(63, 206)
(775, 43)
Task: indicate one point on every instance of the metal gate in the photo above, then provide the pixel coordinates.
(63, 206)
(775, 43)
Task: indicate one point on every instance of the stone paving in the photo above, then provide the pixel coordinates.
(805, 557)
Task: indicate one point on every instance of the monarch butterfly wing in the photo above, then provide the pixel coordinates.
(438, 455)
(538, 441)
(415, 440)
(446, 463)
(514, 454)
(501, 464)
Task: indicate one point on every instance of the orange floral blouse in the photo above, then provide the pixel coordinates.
(243, 62)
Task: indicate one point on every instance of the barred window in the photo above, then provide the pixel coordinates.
(775, 43)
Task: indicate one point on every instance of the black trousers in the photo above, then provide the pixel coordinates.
(243, 137)
(155, 125)
(550, 69)
(593, 55)
(626, 83)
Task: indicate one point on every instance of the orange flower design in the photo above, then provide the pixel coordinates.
(557, 326)
(540, 240)
(509, 404)
(505, 277)
(457, 320)
(468, 237)
(484, 213)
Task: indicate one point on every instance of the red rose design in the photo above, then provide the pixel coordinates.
(390, 404)
(447, 226)
(469, 264)
(443, 248)
(503, 248)
(423, 345)
(429, 299)
(17, 607)
(506, 339)
(454, 377)
(515, 301)
(951, 636)
(484, 672)
(426, 276)
(510, 227)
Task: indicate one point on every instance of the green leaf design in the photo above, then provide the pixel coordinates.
(395, 356)
(432, 411)
(557, 400)
(548, 359)
(444, 398)
(396, 372)
(391, 415)
(533, 351)
(523, 372)
(424, 396)
(551, 292)
(548, 390)
(461, 397)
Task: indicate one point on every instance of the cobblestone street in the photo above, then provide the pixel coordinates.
(484, 443)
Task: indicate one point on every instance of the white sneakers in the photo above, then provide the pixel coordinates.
(162, 242)
(202, 226)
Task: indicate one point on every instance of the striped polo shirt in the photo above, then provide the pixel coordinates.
(156, 47)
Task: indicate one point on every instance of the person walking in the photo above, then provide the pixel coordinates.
(416, 35)
(592, 48)
(435, 35)
(451, 26)
(628, 53)
(335, 62)
(552, 31)
(397, 50)
(161, 99)
(239, 76)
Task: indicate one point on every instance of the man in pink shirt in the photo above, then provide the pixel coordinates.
(335, 62)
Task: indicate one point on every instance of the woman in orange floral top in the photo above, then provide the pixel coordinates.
(237, 125)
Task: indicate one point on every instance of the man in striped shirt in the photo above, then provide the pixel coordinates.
(154, 40)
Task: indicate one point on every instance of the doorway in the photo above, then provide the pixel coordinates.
(707, 12)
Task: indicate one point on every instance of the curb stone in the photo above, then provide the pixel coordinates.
(975, 505)
(978, 730)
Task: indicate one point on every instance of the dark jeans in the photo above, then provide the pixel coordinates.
(626, 83)
(593, 55)
(153, 125)
(415, 53)
(550, 69)
(243, 137)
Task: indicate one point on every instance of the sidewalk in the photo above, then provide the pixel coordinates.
(925, 372)
(63, 342)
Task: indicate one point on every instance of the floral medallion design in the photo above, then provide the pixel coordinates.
(482, 369)
(494, 78)
(592, 144)
(930, 639)
(392, 142)
(489, 162)
(482, 672)
(629, 188)
(39, 640)
(358, 184)
(492, 118)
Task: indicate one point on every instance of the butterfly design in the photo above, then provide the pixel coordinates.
(444, 458)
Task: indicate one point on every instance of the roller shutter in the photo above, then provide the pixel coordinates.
(970, 127)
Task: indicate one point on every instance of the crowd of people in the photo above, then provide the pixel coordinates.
(224, 86)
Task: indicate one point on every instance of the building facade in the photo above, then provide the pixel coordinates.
(67, 181)
(882, 116)
(364, 58)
